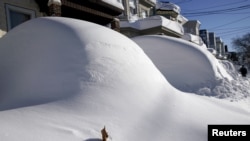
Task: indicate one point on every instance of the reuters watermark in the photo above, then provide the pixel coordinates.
(224, 132)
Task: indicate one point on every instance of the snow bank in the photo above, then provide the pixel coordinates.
(193, 68)
(65, 79)
(55, 66)
(185, 65)
(71, 76)
(235, 90)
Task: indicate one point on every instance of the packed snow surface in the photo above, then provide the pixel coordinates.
(193, 68)
(64, 80)
(185, 65)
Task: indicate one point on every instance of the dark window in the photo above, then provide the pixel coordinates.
(17, 18)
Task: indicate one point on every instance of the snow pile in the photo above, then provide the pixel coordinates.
(234, 90)
(187, 66)
(54, 67)
(192, 68)
(71, 79)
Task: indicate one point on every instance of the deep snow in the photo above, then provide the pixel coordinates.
(64, 79)
(185, 65)
(192, 68)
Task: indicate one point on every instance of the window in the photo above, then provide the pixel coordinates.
(17, 15)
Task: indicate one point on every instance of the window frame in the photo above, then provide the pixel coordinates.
(21, 10)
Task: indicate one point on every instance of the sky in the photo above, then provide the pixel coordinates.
(227, 18)
(71, 80)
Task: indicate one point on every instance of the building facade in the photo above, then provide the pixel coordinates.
(212, 40)
(15, 12)
(219, 45)
(192, 27)
(221, 48)
(137, 9)
(205, 37)
(158, 23)
(146, 8)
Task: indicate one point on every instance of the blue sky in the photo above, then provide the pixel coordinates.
(227, 18)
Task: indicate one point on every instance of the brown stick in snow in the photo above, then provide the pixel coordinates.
(104, 134)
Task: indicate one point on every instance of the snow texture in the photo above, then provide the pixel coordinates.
(115, 3)
(64, 80)
(185, 65)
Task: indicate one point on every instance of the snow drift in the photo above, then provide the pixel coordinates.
(64, 79)
(185, 65)
(39, 66)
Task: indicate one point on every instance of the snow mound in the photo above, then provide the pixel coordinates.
(235, 90)
(65, 79)
(39, 67)
(187, 66)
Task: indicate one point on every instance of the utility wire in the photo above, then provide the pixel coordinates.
(232, 22)
(233, 28)
(222, 5)
(232, 13)
(233, 31)
(217, 11)
(229, 34)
